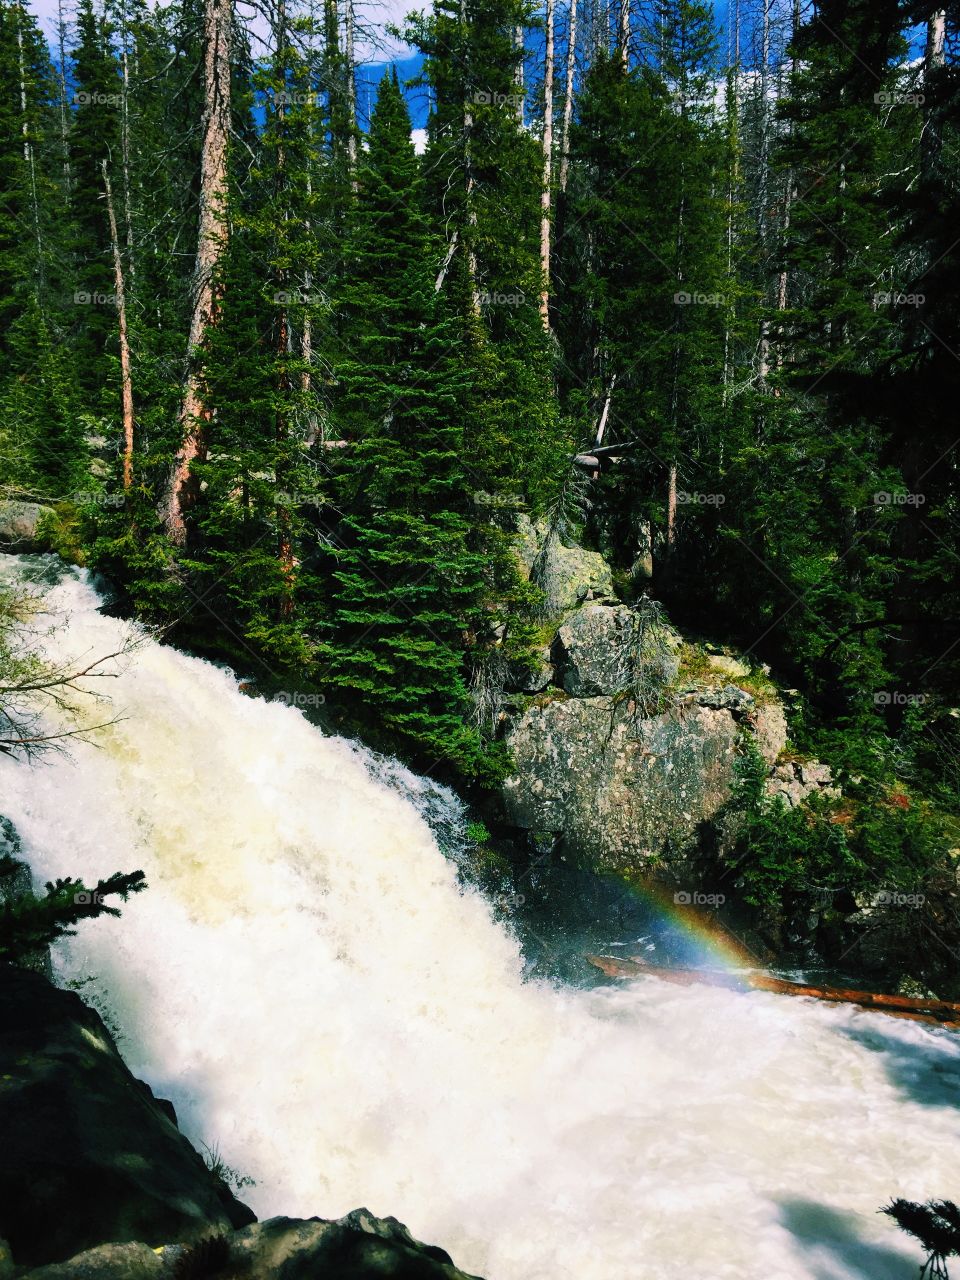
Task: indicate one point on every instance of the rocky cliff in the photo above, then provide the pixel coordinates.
(624, 737)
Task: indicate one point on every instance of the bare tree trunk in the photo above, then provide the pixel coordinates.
(126, 383)
(348, 40)
(29, 157)
(763, 363)
(125, 157)
(469, 183)
(62, 94)
(934, 59)
(671, 508)
(545, 192)
(568, 96)
(518, 73)
(623, 32)
(211, 243)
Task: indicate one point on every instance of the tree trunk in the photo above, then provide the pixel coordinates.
(126, 384)
(545, 192)
(30, 161)
(348, 41)
(623, 33)
(568, 96)
(518, 73)
(211, 242)
(934, 59)
(62, 94)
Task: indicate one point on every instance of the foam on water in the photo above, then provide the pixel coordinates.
(325, 1005)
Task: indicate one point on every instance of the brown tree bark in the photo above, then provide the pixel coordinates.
(195, 413)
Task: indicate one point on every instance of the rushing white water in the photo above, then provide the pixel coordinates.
(307, 982)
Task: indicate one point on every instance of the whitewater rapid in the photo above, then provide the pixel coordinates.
(342, 1022)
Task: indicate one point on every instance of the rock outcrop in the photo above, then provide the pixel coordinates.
(356, 1247)
(19, 525)
(566, 574)
(618, 755)
(88, 1153)
(793, 782)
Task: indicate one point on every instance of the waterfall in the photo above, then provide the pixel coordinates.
(343, 1022)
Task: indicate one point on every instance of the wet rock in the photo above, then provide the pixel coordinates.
(106, 1262)
(88, 1153)
(356, 1247)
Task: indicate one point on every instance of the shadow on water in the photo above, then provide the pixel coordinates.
(834, 1249)
(925, 1069)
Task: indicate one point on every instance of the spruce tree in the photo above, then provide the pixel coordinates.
(408, 585)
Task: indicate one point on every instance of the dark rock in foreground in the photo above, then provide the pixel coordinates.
(88, 1153)
(357, 1247)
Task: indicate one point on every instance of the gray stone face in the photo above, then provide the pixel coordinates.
(619, 789)
(600, 650)
(793, 783)
(566, 575)
(19, 522)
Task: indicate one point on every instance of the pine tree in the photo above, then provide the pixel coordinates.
(408, 585)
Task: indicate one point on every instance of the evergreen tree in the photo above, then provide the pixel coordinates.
(408, 584)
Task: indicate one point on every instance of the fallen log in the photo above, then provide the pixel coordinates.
(940, 1013)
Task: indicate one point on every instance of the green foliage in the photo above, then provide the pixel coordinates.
(30, 921)
(781, 852)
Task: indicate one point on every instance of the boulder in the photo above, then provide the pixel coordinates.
(19, 524)
(602, 649)
(567, 575)
(618, 788)
(106, 1262)
(356, 1247)
(88, 1153)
